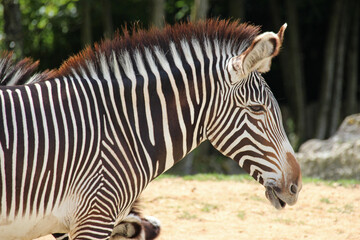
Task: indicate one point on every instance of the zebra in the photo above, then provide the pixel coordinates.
(78, 149)
(134, 226)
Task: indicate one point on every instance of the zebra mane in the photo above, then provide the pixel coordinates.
(21, 72)
(225, 31)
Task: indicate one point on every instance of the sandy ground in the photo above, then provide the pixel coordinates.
(219, 210)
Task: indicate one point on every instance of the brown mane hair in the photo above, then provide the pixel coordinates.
(223, 30)
(20, 72)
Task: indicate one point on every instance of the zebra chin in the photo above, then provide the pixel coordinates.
(276, 201)
(278, 196)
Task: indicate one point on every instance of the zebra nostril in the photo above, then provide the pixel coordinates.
(293, 188)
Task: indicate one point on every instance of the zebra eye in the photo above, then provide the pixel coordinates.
(257, 108)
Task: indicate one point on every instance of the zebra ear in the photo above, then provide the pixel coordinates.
(258, 56)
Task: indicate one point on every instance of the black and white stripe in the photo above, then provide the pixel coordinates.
(77, 150)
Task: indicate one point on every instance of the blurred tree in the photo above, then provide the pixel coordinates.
(199, 10)
(13, 27)
(237, 9)
(295, 60)
(328, 70)
(86, 33)
(351, 104)
(158, 13)
(291, 65)
(335, 116)
(107, 18)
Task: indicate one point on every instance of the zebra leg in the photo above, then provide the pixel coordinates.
(131, 228)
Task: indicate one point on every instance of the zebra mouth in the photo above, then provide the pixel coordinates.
(274, 199)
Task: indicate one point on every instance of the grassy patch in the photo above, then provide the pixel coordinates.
(333, 183)
(241, 214)
(163, 176)
(208, 207)
(246, 177)
(286, 221)
(325, 200)
(218, 177)
(301, 222)
(257, 198)
(187, 216)
(347, 208)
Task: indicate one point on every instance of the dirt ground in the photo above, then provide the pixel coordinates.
(219, 210)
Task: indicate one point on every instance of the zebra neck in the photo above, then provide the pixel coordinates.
(157, 105)
(160, 107)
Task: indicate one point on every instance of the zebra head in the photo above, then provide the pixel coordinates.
(247, 126)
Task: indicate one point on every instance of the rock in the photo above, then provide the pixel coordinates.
(335, 158)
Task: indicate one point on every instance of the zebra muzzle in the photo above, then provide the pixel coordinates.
(274, 198)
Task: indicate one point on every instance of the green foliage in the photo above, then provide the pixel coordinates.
(45, 28)
(52, 28)
(178, 10)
